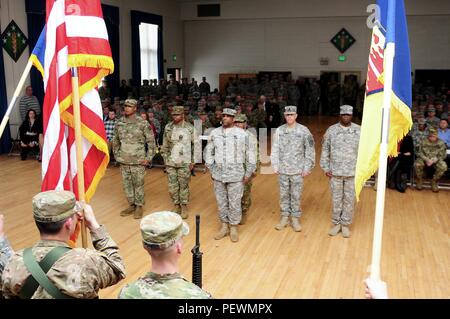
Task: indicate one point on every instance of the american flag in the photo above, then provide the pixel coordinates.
(75, 35)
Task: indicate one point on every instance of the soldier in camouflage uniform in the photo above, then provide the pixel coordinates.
(231, 163)
(241, 122)
(292, 158)
(419, 133)
(145, 89)
(338, 161)
(179, 143)
(162, 234)
(432, 120)
(5, 248)
(432, 153)
(131, 135)
(75, 273)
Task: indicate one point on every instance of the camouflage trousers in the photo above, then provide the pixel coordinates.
(229, 196)
(440, 168)
(291, 188)
(343, 196)
(178, 178)
(246, 201)
(133, 183)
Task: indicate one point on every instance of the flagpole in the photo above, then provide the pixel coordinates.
(15, 96)
(79, 148)
(389, 54)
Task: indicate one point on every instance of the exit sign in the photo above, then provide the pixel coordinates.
(342, 58)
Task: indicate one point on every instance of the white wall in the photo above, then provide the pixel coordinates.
(291, 35)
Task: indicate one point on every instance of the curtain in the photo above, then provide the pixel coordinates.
(5, 142)
(112, 21)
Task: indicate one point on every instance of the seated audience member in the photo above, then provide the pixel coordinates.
(444, 132)
(30, 134)
(432, 153)
(400, 166)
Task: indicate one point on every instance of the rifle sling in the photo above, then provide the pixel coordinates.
(38, 272)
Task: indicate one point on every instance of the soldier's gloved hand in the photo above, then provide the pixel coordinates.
(329, 174)
(375, 289)
(89, 218)
(2, 232)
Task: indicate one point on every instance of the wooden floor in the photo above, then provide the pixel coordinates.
(266, 263)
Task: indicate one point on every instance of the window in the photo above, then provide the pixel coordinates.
(148, 37)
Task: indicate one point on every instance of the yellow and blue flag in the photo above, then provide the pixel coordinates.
(392, 30)
(37, 57)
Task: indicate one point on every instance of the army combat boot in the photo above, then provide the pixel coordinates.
(138, 212)
(335, 230)
(234, 233)
(345, 231)
(184, 212)
(295, 223)
(128, 211)
(434, 186)
(222, 232)
(284, 221)
(419, 183)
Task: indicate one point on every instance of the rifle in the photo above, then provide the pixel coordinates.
(197, 256)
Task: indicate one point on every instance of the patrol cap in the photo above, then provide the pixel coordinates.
(228, 111)
(130, 102)
(146, 103)
(346, 109)
(53, 206)
(161, 230)
(202, 112)
(178, 110)
(431, 109)
(240, 118)
(421, 121)
(290, 109)
(432, 131)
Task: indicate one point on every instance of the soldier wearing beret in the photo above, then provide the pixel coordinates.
(293, 158)
(338, 161)
(131, 135)
(231, 163)
(432, 153)
(162, 234)
(179, 143)
(72, 273)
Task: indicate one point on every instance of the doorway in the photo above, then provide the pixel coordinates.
(338, 88)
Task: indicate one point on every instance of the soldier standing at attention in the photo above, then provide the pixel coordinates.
(51, 269)
(162, 234)
(131, 134)
(179, 143)
(231, 164)
(432, 152)
(292, 158)
(338, 161)
(241, 122)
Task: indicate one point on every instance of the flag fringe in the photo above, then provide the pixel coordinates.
(91, 61)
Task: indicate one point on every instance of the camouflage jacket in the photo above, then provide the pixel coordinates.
(156, 286)
(432, 121)
(293, 150)
(130, 137)
(229, 155)
(340, 149)
(432, 151)
(418, 136)
(79, 273)
(5, 253)
(179, 144)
